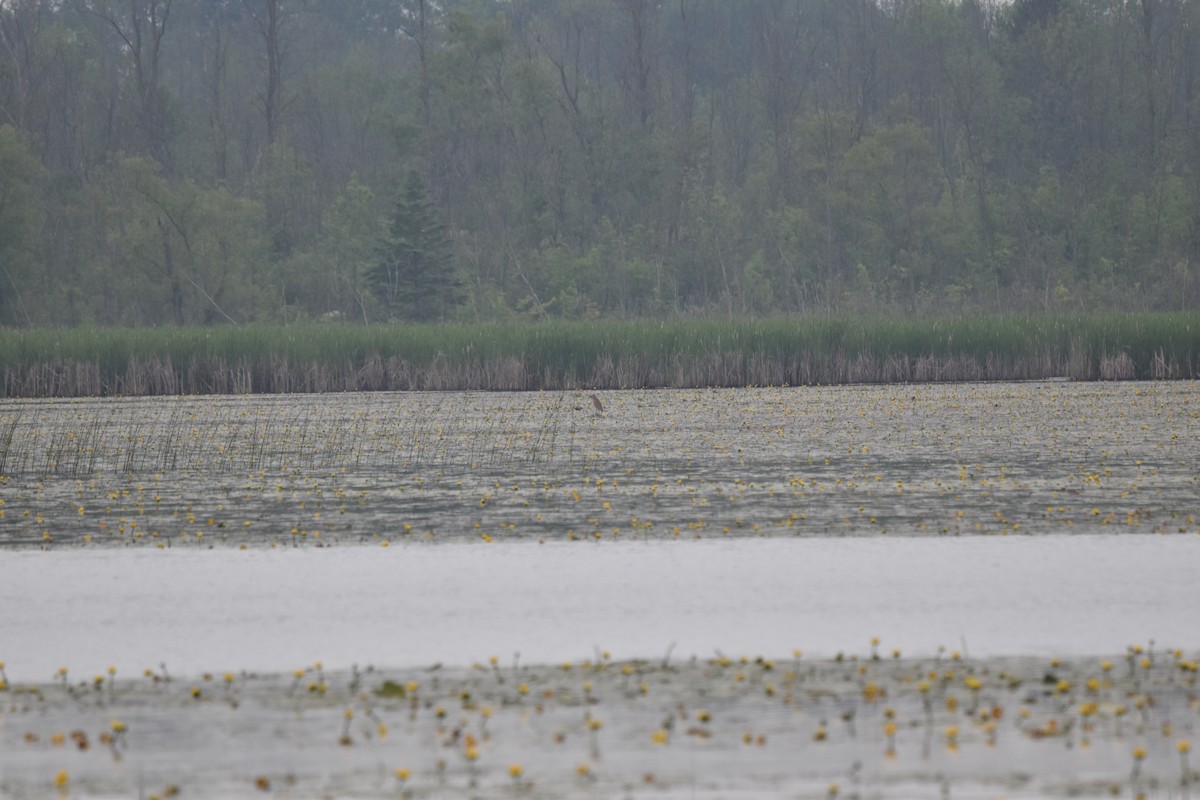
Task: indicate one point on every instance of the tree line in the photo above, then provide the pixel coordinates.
(178, 162)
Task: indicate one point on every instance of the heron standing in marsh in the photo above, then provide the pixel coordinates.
(596, 404)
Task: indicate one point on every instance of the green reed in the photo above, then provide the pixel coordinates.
(614, 353)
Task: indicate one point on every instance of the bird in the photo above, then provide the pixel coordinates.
(596, 404)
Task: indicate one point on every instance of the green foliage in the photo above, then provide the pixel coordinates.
(352, 228)
(20, 212)
(593, 159)
(174, 253)
(414, 273)
(662, 352)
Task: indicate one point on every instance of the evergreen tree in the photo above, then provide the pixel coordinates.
(414, 274)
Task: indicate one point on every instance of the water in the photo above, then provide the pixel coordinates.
(712, 668)
(415, 605)
(700, 572)
(1028, 458)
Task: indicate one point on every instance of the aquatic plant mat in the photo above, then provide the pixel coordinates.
(596, 355)
(865, 725)
(1019, 458)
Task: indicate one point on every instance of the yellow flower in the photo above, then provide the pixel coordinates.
(515, 770)
(62, 778)
(1183, 746)
(1139, 753)
(472, 753)
(403, 774)
(660, 736)
(583, 770)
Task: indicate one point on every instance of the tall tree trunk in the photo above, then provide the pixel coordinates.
(215, 66)
(1149, 62)
(142, 30)
(268, 18)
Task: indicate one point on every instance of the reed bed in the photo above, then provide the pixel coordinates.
(603, 355)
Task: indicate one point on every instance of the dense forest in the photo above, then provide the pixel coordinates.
(182, 162)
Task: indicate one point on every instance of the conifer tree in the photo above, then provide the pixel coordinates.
(414, 273)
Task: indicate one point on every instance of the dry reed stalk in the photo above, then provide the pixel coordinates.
(276, 374)
(1162, 369)
(1117, 368)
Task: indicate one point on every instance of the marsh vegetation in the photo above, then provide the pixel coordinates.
(1038, 457)
(861, 725)
(597, 355)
